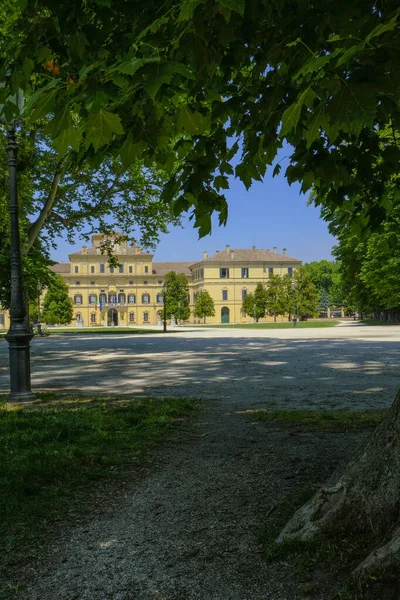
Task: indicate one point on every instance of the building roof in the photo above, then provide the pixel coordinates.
(61, 268)
(249, 255)
(127, 251)
(162, 268)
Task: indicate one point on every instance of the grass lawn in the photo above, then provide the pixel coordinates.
(102, 330)
(335, 420)
(375, 322)
(52, 452)
(300, 325)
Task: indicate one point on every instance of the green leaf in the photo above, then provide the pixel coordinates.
(187, 9)
(70, 137)
(101, 126)
(316, 63)
(291, 116)
(277, 170)
(77, 44)
(130, 67)
(192, 122)
(383, 27)
(221, 182)
(130, 151)
(28, 67)
(42, 101)
(235, 5)
(43, 54)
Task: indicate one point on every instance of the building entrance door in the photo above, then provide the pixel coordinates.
(112, 317)
(224, 314)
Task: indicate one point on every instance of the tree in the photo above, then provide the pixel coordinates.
(324, 302)
(60, 198)
(206, 83)
(177, 295)
(255, 303)
(204, 305)
(305, 295)
(277, 303)
(326, 277)
(57, 305)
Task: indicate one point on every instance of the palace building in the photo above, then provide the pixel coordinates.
(132, 294)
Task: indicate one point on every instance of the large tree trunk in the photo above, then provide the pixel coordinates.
(363, 496)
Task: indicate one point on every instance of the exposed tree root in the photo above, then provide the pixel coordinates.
(364, 496)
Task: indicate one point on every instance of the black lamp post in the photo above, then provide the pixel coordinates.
(165, 306)
(19, 335)
(39, 325)
(294, 305)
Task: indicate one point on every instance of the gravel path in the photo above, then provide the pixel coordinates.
(189, 531)
(338, 367)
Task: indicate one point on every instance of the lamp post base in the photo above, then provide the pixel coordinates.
(20, 371)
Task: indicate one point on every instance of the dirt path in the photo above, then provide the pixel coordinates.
(190, 529)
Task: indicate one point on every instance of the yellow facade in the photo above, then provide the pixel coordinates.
(132, 293)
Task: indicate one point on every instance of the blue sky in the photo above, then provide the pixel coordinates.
(271, 213)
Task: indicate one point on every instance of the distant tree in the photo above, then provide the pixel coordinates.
(204, 306)
(177, 292)
(255, 303)
(325, 275)
(57, 305)
(324, 302)
(305, 294)
(276, 296)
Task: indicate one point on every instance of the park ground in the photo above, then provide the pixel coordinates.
(196, 522)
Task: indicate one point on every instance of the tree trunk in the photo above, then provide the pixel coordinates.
(364, 496)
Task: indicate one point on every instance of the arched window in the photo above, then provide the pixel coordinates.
(121, 298)
(112, 299)
(78, 299)
(131, 317)
(93, 299)
(145, 299)
(145, 317)
(131, 299)
(103, 298)
(160, 298)
(93, 317)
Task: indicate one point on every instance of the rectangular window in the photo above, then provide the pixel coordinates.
(131, 298)
(121, 268)
(131, 317)
(224, 273)
(92, 283)
(131, 283)
(131, 271)
(160, 283)
(76, 269)
(224, 294)
(144, 282)
(146, 317)
(146, 269)
(160, 298)
(78, 299)
(77, 283)
(145, 299)
(92, 299)
(245, 273)
(93, 317)
(111, 269)
(244, 294)
(102, 268)
(290, 271)
(92, 269)
(270, 271)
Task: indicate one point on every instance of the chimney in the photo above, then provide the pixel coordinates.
(205, 255)
(284, 251)
(275, 249)
(253, 248)
(84, 249)
(228, 249)
(232, 255)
